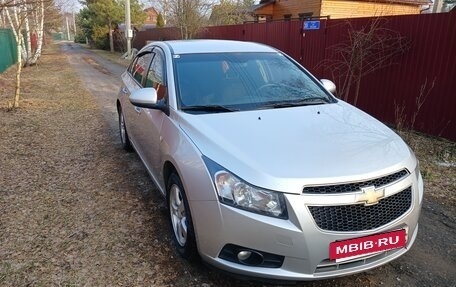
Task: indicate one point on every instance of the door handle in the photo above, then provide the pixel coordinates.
(124, 90)
(138, 110)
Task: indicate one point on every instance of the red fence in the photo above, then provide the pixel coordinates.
(431, 58)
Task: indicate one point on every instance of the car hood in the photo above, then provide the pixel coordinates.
(288, 148)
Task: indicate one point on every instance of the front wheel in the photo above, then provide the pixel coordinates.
(180, 218)
(124, 139)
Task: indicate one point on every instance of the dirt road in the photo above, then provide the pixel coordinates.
(116, 229)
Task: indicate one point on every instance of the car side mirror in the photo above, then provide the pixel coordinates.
(144, 98)
(329, 86)
(147, 98)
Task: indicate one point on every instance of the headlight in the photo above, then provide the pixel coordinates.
(235, 192)
(419, 181)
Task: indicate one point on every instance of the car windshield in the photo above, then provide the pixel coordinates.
(226, 82)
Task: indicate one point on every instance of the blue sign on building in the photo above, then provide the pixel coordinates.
(311, 25)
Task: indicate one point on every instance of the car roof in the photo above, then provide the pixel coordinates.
(214, 46)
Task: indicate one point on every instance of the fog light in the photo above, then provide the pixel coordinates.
(247, 256)
(244, 255)
(251, 258)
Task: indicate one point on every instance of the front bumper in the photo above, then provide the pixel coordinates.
(303, 244)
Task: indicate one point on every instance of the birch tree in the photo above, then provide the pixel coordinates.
(24, 15)
(16, 22)
(39, 24)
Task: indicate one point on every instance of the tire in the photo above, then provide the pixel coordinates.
(124, 139)
(180, 219)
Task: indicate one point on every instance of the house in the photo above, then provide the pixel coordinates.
(288, 9)
(152, 15)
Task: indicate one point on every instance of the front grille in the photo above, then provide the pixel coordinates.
(359, 217)
(356, 186)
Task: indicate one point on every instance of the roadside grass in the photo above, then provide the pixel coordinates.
(37, 178)
(115, 57)
(67, 217)
(437, 158)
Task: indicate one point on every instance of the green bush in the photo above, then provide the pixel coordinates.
(80, 38)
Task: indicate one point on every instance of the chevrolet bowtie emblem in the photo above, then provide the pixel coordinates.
(370, 195)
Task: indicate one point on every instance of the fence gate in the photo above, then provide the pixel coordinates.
(8, 50)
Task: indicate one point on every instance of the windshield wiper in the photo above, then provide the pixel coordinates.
(209, 108)
(301, 102)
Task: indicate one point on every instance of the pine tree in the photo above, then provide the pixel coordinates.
(160, 21)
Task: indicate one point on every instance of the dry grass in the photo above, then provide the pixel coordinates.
(438, 165)
(68, 216)
(114, 57)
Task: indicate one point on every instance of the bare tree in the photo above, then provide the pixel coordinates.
(230, 12)
(189, 15)
(368, 49)
(39, 24)
(402, 125)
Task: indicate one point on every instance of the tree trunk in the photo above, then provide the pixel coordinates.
(13, 26)
(40, 34)
(358, 79)
(111, 39)
(18, 74)
(347, 86)
(2, 18)
(17, 27)
(358, 84)
(28, 44)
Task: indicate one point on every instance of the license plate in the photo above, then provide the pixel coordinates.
(358, 247)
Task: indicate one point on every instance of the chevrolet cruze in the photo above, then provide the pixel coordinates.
(265, 172)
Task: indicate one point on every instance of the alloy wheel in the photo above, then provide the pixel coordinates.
(178, 215)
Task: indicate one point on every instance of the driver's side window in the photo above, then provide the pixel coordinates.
(156, 76)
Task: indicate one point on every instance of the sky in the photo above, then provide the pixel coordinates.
(74, 5)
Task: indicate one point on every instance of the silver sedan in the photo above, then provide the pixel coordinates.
(265, 172)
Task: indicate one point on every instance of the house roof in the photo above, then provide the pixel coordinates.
(151, 9)
(410, 2)
(264, 3)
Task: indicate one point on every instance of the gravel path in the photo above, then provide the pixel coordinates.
(76, 210)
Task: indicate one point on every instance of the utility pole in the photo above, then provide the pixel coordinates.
(68, 28)
(165, 10)
(74, 24)
(128, 31)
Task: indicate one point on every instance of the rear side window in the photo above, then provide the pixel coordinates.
(139, 67)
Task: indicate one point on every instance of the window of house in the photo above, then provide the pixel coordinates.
(287, 17)
(305, 15)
